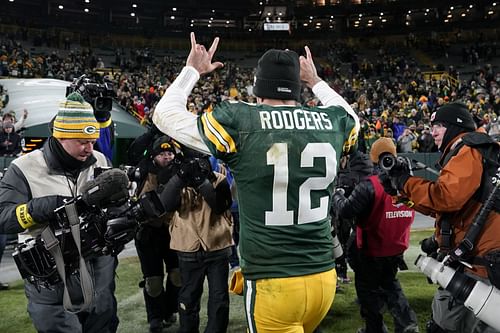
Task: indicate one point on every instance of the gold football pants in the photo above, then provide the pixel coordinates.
(289, 305)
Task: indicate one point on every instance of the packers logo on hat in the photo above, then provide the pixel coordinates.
(75, 119)
(90, 130)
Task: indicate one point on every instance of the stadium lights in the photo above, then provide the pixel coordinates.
(172, 17)
(174, 9)
(134, 5)
(13, 1)
(86, 10)
(132, 14)
(60, 7)
(87, 1)
(490, 12)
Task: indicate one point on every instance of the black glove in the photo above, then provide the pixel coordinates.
(338, 197)
(400, 173)
(164, 174)
(386, 182)
(119, 231)
(42, 209)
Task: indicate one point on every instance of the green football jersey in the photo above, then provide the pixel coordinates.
(284, 161)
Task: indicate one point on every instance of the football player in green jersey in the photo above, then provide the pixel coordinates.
(284, 158)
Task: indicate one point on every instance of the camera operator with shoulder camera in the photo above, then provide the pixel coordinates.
(34, 186)
(201, 233)
(382, 236)
(467, 235)
(152, 241)
(98, 92)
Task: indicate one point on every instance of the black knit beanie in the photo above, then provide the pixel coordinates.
(164, 143)
(456, 118)
(455, 114)
(278, 75)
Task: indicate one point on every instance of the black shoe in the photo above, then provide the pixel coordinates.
(156, 325)
(4, 286)
(170, 320)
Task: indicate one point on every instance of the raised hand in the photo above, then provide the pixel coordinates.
(308, 73)
(200, 58)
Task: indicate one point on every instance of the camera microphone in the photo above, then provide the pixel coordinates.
(109, 188)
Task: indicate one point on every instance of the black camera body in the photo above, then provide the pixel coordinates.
(36, 263)
(96, 91)
(108, 219)
(194, 170)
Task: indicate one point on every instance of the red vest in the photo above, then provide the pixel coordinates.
(386, 231)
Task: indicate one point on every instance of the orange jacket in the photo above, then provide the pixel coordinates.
(452, 193)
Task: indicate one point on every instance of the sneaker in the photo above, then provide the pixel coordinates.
(345, 280)
(4, 286)
(361, 330)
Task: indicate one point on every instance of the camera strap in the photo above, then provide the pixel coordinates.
(469, 241)
(52, 245)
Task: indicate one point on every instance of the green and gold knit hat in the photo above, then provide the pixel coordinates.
(75, 119)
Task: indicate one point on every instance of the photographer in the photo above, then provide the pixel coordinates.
(469, 161)
(382, 236)
(34, 186)
(200, 232)
(354, 167)
(153, 243)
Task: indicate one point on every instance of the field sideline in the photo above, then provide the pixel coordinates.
(343, 316)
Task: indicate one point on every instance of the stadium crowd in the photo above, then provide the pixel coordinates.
(391, 94)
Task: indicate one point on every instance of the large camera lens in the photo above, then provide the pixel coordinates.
(387, 162)
(103, 104)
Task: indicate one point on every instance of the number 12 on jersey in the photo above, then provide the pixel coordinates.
(277, 156)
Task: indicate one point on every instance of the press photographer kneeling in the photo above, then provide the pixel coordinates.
(45, 196)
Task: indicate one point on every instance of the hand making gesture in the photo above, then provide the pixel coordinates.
(201, 59)
(308, 73)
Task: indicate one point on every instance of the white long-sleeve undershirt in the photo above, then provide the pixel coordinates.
(172, 118)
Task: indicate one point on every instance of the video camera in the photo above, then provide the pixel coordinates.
(107, 218)
(95, 90)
